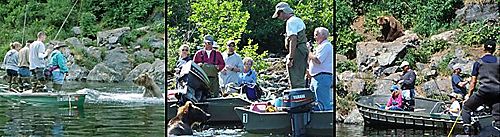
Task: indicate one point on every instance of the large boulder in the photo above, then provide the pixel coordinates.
(116, 66)
(139, 69)
(354, 117)
(340, 58)
(73, 41)
(144, 55)
(477, 12)
(157, 71)
(374, 54)
(103, 73)
(446, 36)
(111, 36)
(382, 85)
(355, 86)
(435, 87)
(77, 73)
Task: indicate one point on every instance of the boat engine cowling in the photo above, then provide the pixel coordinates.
(300, 105)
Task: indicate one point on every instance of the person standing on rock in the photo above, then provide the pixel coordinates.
(321, 70)
(57, 63)
(407, 82)
(37, 63)
(234, 65)
(10, 62)
(487, 71)
(456, 81)
(212, 63)
(24, 66)
(295, 42)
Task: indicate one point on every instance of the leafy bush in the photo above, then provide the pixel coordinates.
(87, 24)
(347, 38)
(82, 57)
(424, 52)
(349, 65)
(173, 43)
(224, 20)
(258, 59)
(443, 68)
(344, 105)
(478, 33)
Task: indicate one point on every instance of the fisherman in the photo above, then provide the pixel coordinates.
(57, 63)
(295, 42)
(407, 82)
(487, 71)
(212, 62)
(458, 84)
(10, 62)
(24, 70)
(37, 63)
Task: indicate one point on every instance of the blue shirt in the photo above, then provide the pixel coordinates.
(250, 77)
(487, 59)
(58, 59)
(455, 79)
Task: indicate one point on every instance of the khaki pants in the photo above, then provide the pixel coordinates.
(296, 73)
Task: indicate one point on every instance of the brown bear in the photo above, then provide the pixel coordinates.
(151, 89)
(391, 29)
(187, 116)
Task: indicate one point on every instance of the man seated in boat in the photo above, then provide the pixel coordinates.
(454, 109)
(396, 100)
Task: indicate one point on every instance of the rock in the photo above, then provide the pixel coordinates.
(340, 58)
(382, 85)
(157, 71)
(103, 73)
(111, 36)
(145, 28)
(370, 55)
(434, 87)
(429, 73)
(354, 117)
(77, 73)
(114, 67)
(477, 12)
(87, 42)
(459, 53)
(347, 76)
(94, 52)
(76, 30)
(390, 70)
(420, 66)
(73, 41)
(356, 85)
(446, 36)
(139, 69)
(144, 55)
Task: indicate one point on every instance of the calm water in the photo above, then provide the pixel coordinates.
(112, 109)
(359, 130)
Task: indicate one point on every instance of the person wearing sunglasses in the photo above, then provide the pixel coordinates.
(234, 65)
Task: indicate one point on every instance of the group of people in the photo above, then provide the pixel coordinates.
(303, 61)
(29, 64)
(486, 70)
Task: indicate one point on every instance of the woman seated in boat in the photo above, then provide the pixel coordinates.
(396, 100)
(248, 80)
(183, 59)
(454, 109)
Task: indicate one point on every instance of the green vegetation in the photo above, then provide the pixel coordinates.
(346, 44)
(478, 32)
(443, 68)
(423, 53)
(251, 51)
(83, 58)
(349, 65)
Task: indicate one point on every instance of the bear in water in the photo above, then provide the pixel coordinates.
(187, 116)
(151, 88)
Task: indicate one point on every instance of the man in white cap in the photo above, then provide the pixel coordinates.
(212, 63)
(295, 42)
(457, 83)
(407, 82)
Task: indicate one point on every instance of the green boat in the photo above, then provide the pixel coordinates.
(61, 99)
(321, 122)
(221, 109)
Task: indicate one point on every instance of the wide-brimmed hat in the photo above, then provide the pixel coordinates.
(457, 66)
(282, 6)
(405, 63)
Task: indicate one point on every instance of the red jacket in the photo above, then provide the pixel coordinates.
(201, 56)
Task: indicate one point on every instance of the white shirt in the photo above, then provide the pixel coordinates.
(37, 55)
(294, 25)
(324, 53)
(455, 105)
(208, 52)
(231, 76)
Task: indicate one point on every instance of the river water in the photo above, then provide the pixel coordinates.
(111, 109)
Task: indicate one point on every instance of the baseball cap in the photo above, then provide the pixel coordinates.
(208, 38)
(405, 63)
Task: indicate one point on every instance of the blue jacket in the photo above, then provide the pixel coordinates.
(57, 58)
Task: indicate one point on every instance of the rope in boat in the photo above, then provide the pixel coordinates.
(456, 120)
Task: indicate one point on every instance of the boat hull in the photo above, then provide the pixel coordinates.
(62, 99)
(221, 109)
(321, 124)
(427, 118)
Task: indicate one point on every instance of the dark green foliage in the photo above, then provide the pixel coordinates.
(479, 32)
(423, 53)
(349, 65)
(443, 68)
(83, 58)
(88, 24)
(347, 39)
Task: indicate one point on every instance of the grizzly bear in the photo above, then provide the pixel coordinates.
(151, 89)
(187, 116)
(391, 28)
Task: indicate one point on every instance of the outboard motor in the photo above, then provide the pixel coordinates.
(194, 83)
(300, 106)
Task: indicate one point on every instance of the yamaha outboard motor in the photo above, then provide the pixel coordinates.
(300, 106)
(194, 83)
